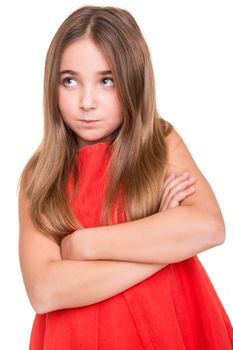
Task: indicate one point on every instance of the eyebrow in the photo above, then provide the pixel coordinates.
(72, 72)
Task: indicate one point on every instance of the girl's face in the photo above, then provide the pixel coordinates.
(87, 96)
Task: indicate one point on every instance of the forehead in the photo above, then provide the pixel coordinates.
(83, 55)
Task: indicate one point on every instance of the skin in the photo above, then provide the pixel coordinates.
(45, 264)
(86, 95)
(170, 236)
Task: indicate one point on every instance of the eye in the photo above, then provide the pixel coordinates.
(108, 81)
(70, 82)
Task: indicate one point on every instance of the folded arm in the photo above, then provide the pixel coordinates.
(165, 237)
(52, 283)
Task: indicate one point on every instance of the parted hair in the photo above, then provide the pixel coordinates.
(137, 167)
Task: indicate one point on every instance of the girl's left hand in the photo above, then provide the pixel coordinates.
(176, 189)
(75, 246)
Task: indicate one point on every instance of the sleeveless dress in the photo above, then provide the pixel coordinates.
(174, 309)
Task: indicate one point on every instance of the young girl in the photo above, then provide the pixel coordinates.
(110, 221)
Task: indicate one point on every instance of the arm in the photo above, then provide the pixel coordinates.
(52, 283)
(166, 237)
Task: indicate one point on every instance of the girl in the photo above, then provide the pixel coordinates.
(110, 222)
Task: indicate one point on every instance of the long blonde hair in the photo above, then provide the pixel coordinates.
(139, 152)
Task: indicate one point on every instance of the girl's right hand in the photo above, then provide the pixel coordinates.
(176, 189)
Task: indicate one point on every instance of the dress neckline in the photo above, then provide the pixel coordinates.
(93, 147)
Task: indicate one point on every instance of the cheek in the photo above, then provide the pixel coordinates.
(119, 111)
(64, 103)
(61, 101)
(114, 105)
(65, 110)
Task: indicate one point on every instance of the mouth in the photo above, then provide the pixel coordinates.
(88, 121)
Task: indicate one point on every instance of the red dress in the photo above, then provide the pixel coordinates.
(174, 309)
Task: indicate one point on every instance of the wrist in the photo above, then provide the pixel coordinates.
(80, 245)
(66, 248)
(90, 244)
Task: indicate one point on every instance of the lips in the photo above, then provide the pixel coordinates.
(88, 121)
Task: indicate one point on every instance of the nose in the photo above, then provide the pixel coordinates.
(88, 98)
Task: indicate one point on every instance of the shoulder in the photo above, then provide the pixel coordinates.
(177, 151)
(179, 156)
(173, 138)
(180, 160)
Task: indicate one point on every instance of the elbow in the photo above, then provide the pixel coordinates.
(218, 231)
(45, 291)
(40, 299)
(39, 308)
(39, 302)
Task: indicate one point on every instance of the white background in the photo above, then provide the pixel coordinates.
(191, 48)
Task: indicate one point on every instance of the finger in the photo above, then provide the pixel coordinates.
(175, 180)
(172, 184)
(181, 186)
(177, 189)
(184, 194)
(168, 185)
(170, 176)
(180, 197)
(175, 202)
